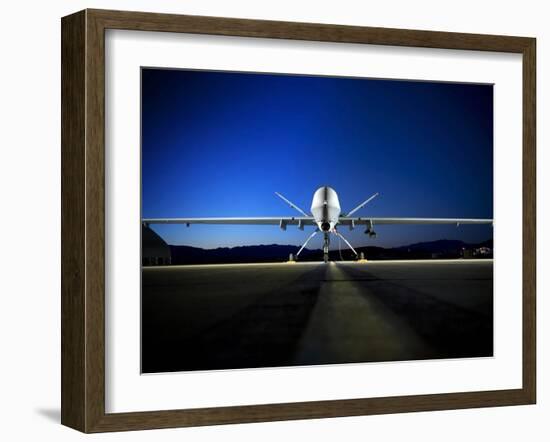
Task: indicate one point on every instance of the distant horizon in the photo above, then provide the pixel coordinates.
(333, 248)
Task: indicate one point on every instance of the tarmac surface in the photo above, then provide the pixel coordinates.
(267, 315)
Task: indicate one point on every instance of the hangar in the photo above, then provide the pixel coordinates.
(155, 251)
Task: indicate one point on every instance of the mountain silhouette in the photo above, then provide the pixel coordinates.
(440, 249)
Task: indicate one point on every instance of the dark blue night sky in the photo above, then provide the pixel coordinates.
(221, 143)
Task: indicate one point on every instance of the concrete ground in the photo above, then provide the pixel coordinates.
(265, 315)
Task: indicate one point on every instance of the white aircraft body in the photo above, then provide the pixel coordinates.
(326, 215)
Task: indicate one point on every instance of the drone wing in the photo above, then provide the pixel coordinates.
(351, 221)
(281, 221)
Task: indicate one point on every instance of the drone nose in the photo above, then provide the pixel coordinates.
(325, 227)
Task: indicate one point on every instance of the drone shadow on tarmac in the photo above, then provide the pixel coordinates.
(215, 317)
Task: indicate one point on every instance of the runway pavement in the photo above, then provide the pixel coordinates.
(265, 315)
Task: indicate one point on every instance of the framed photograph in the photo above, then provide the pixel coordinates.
(268, 220)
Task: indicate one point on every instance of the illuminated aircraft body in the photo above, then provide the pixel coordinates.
(326, 215)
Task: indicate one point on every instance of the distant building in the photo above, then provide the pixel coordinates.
(484, 251)
(479, 252)
(154, 250)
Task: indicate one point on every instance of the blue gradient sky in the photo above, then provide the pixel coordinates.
(220, 144)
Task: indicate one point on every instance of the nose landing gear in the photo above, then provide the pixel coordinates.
(326, 244)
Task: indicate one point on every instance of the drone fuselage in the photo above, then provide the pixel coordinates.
(325, 208)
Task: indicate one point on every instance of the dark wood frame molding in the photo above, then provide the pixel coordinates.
(83, 216)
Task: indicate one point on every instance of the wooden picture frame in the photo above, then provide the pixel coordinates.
(83, 218)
